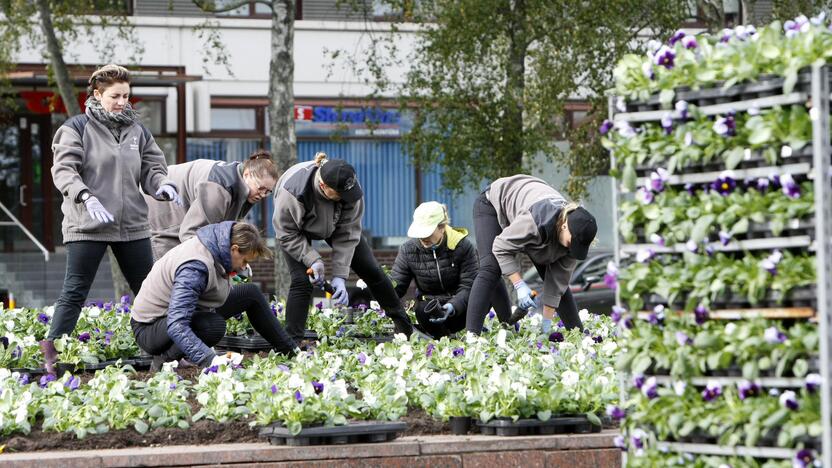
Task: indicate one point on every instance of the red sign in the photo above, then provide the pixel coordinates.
(47, 102)
(303, 112)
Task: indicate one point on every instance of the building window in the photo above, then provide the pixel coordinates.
(151, 110)
(254, 9)
(230, 118)
(111, 7)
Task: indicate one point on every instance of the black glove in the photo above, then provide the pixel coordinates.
(444, 313)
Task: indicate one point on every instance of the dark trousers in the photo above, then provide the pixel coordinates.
(135, 258)
(365, 265)
(210, 326)
(489, 288)
(438, 330)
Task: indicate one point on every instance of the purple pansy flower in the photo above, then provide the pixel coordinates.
(362, 358)
(211, 370)
(692, 246)
(657, 239)
(657, 316)
(682, 109)
(645, 255)
(683, 339)
(73, 383)
(318, 387)
(459, 352)
(664, 57)
(804, 458)
(724, 184)
(650, 389)
(619, 442)
(725, 126)
(517, 326)
(429, 350)
(556, 337)
(790, 187)
(638, 381)
(813, 382)
(4, 340)
(491, 315)
(724, 237)
(676, 37)
(24, 379)
(617, 313)
(605, 128)
(45, 379)
(747, 389)
(637, 439)
(667, 123)
(615, 412)
(644, 195)
(43, 318)
(274, 389)
(627, 323)
(320, 305)
(84, 337)
(298, 396)
(700, 314)
(689, 42)
(774, 336)
(283, 368)
(712, 390)
(788, 399)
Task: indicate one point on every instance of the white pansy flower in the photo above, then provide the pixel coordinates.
(360, 284)
(587, 343)
(730, 328)
(94, 312)
(584, 315)
(501, 338)
(602, 380)
(569, 378)
(609, 347)
(295, 381)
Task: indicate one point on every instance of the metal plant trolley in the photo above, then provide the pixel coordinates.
(813, 89)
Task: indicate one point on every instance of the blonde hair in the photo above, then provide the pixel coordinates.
(320, 158)
(260, 165)
(106, 76)
(564, 214)
(447, 220)
(248, 239)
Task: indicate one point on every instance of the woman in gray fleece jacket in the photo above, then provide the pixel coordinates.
(523, 214)
(101, 159)
(212, 191)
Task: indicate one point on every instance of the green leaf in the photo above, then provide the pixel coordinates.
(775, 419)
(141, 426)
(182, 424)
(593, 419)
(734, 157)
(687, 428)
(641, 364)
(155, 411)
(545, 415)
(666, 97)
(740, 227)
(800, 367)
(701, 228)
(628, 176)
(294, 427)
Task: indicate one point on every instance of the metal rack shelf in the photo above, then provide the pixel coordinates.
(737, 451)
(772, 382)
(739, 174)
(733, 246)
(796, 97)
(813, 90)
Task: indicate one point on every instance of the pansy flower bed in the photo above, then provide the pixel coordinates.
(714, 141)
(509, 372)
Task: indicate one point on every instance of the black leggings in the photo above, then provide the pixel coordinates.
(135, 258)
(365, 265)
(210, 326)
(488, 287)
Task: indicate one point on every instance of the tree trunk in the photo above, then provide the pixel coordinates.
(56, 57)
(67, 92)
(282, 109)
(515, 90)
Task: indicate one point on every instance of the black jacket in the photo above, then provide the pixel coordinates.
(448, 270)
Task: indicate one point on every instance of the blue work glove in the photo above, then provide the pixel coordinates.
(446, 312)
(97, 211)
(318, 273)
(168, 192)
(340, 296)
(546, 326)
(524, 295)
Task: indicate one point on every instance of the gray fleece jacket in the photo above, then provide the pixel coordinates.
(528, 210)
(302, 213)
(211, 191)
(88, 157)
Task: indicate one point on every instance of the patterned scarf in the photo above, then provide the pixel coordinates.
(114, 121)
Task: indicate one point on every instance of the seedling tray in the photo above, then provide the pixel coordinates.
(522, 427)
(251, 343)
(354, 432)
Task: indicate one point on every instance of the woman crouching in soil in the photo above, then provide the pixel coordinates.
(187, 297)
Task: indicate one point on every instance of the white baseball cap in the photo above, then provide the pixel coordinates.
(426, 218)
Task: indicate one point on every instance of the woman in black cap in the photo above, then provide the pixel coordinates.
(322, 199)
(524, 214)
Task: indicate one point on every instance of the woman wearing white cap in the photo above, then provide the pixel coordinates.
(443, 262)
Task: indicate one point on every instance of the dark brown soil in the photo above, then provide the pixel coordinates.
(201, 433)
(419, 423)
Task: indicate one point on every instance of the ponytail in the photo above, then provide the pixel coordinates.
(260, 165)
(320, 158)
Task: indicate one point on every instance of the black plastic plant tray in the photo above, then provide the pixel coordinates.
(802, 155)
(83, 367)
(244, 343)
(521, 427)
(354, 432)
(768, 85)
(24, 370)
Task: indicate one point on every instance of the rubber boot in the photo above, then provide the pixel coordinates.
(50, 356)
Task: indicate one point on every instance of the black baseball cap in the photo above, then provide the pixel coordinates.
(583, 228)
(341, 177)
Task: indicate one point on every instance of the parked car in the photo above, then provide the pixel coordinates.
(587, 283)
